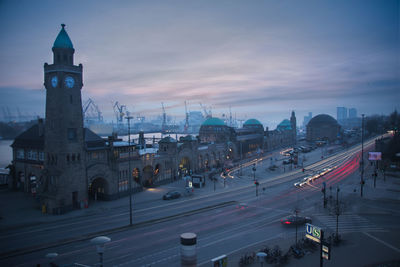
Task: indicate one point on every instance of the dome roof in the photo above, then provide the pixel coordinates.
(62, 40)
(213, 122)
(285, 125)
(322, 119)
(167, 139)
(252, 122)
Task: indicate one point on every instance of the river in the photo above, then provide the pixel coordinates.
(5, 152)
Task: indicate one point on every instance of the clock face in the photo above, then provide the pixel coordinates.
(54, 81)
(69, 82)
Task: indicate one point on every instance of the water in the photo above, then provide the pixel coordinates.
(148, 136)
(5, 152)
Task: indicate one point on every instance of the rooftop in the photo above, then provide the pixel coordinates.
(62, 40)
(252, 122)
(213, 122)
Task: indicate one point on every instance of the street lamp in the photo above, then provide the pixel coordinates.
(51, 257)
(254, 171)
(129, 168)
(362, 155)
(100, 242)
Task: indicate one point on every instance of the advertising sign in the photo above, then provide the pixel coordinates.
(326, 251)
(313, 232)
(375, 156)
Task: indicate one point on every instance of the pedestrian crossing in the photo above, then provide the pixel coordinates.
(348, 223)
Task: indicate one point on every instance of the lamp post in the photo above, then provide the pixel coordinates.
(51, 257)
(337, 211)
(254, 171)
(362, 155)
(129, 169)
(241, 158)
(100, 242)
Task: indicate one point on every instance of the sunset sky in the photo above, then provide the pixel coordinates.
(261, 58)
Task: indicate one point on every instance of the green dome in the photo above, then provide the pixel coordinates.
(252, 122)
(213, 122)
(62, 40)
(285, 125)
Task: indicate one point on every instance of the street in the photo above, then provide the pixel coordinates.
(229, 221)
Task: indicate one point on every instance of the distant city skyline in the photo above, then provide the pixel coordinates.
(263, 59)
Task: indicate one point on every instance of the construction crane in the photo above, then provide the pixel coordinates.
(186, 128)
(119, 111)
(206, 113)
(164, 118)
(91, 112)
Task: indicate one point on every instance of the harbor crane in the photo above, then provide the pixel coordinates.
(119, 111)
(164, 118)
(206, 113)
(91, 111)
(186, 127)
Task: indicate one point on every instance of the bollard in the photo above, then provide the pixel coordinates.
(188, 250)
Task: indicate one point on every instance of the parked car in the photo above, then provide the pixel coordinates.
(172, 195)
(293, 220)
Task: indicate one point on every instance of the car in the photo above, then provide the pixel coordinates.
(300, 184)
(172, 195)
(325, 171)
(295, 220)
(288, 161)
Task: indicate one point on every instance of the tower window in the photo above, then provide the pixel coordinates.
(71, 134)
(70, 99)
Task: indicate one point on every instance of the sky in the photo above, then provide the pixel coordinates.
(261, 59)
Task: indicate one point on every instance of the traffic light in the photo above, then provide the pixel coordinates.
(256, 183)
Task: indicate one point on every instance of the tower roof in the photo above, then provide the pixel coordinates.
(62, 40)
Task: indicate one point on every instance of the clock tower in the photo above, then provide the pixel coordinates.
(64, 167)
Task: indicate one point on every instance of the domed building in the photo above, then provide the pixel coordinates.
(214, 130)
(285, 125)
(254, 125)
(322, 128)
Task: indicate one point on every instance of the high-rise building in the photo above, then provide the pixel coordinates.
(352, 113)
(341, 114)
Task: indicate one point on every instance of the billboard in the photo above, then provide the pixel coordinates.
(313, 232)
(375, 156)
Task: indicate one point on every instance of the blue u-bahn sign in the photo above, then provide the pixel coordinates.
(313, 232)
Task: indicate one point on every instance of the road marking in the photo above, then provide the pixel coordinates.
(349, 223)
(383, 242)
